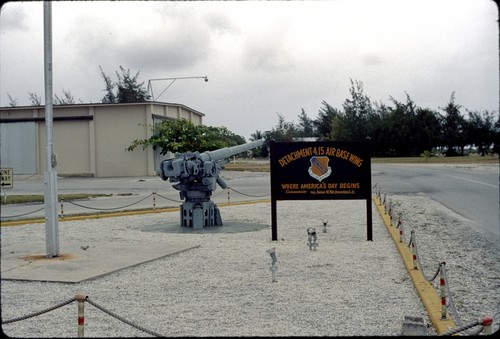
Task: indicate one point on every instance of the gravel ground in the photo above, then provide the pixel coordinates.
(348, 287)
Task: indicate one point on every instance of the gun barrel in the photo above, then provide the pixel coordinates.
(228, 152)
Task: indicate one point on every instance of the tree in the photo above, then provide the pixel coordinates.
(479, 130)
(12, 101)
(127, 88)
(453, 127)
(35, 99)
(401, 120)
(357, 113)
(110, 97)
(181, 135)
(427, 130)
(284, 131)
(496, 136)
(262, 151)
(323, 123)
(68, 98)
(306, 125)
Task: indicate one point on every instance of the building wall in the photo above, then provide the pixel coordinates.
(92, 140)
(115, 129)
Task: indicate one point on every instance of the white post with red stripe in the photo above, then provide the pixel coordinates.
(414, 250)
(486, 323)
(400, 227)
(442, 287)
(80, 298)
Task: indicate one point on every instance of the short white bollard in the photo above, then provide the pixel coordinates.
(273, 268)
(311, 238)
(324, 225)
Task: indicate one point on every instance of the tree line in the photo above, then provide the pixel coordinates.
(398, 129)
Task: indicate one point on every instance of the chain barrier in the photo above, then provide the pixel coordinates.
(122, 319)
(64, 303)
(21, 215)
(81, 317)
(484, 323)
(445, 293)
(109, 209)
(249, 195)
(161, 196)
(154, 194)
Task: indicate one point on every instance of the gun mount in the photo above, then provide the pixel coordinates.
(196, 175)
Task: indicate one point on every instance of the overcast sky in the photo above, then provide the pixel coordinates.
(261, 58)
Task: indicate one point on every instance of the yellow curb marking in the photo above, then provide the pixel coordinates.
(425, 290)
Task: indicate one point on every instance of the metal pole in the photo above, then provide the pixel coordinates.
(50, 176)
(150, 86)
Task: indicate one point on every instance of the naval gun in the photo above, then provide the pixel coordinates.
(195, 176)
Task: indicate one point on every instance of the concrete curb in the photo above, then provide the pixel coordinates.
(425, 290)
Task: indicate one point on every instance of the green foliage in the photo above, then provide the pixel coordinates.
(35, 99)
(453, 127)
(128, 88)
(323, 123)
(398, 129)
(284, 131)
(426, 155)
(181, 135)
(357, 112)
(68, 98)
(306, 125)
(12, 101)
(262, 151)
(110, 96)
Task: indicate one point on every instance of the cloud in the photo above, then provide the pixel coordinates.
(261, 57)
(373, 59)
(164, 42)
(16, 20)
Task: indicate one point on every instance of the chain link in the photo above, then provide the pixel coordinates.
(122, 319)
(64, 303)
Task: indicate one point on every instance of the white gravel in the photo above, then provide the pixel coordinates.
(348, 287)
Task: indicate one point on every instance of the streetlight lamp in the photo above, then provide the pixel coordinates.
(170, 84)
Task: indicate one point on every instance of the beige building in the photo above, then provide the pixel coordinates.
(88, 139)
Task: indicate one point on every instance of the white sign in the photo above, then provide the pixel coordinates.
(7, 180)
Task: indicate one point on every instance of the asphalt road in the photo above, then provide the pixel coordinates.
(470, 190)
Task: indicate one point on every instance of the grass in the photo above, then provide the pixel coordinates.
(263, 166)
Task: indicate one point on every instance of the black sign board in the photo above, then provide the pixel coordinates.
(320, 171)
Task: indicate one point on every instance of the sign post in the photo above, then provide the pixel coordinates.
(320, 171)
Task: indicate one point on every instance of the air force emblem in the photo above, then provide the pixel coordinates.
(319, 168)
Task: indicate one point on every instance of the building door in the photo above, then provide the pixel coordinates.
(18, 147)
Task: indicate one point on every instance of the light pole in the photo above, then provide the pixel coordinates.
(150, 87)
(50, 176)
